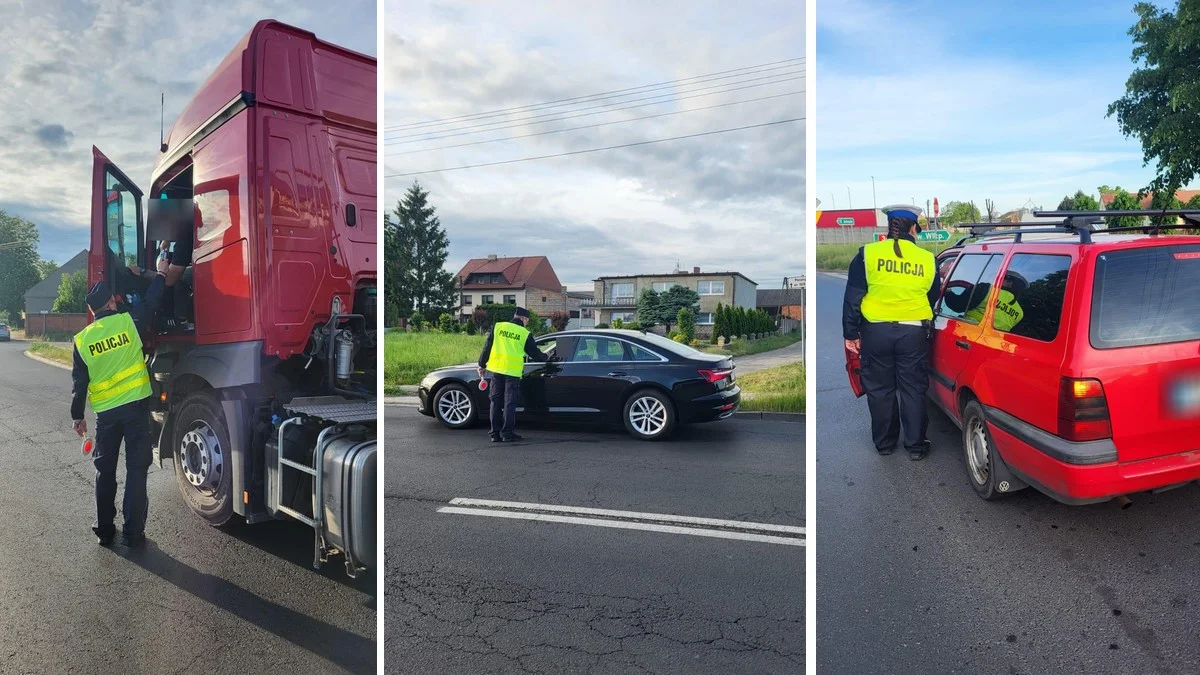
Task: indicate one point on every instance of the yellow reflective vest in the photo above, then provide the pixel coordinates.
(508, 349)
(897, 287)
(112, 351)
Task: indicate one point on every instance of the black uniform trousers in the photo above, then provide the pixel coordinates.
(895, 374)
(503, 394)
(131, 423)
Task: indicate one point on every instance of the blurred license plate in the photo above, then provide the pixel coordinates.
(1185, 396)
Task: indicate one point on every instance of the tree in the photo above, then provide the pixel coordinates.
(954, 213)
(72, 293)
(18, 263)
(1123, 201)
(559, 320)
(674, 299)
(718, 323)
(991, 210)
(446, 323)
(649, 309)
(1161, 105)
(1080, 201)
(687, 323)
(416, 256)
(46, 268)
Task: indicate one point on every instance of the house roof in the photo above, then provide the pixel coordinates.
(780, 297)
(1182, 195)
(581, 295)
(48, 287)
(519, 273)
(679, 275)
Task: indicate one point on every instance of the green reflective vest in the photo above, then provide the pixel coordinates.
(897, 287)
(508, 349)
(112, 351)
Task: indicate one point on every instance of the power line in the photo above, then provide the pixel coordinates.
(521, 122)
(581, 152)
(438, 122)
(592, 126)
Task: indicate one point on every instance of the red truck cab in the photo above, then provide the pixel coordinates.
(1070, 358)
(265, 191)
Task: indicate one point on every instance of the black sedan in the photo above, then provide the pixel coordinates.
(647, 382)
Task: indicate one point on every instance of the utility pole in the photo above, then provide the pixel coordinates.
(874, 202)
(848, 199)
(834, 200)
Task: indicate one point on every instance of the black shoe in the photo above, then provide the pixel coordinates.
(497, 439)
(514, 437)
(131, 540)
(918, 453)
(885, 451)
(105, 539)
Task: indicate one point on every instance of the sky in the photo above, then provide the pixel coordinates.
(79, 73)
(971, 101)
(726, 202)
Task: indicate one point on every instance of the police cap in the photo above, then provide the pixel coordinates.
(903, 211)
(99, 296)
(522, 312)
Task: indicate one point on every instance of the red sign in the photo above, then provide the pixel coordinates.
(935, 207)
(847, 218)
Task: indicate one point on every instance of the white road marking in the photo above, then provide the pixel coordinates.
(628, 520)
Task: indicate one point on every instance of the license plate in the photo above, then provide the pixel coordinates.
(1185, 396)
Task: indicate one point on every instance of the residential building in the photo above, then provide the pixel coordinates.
(583, 315)
(1184, 196)
(787, 303)
(528, 281)
(616, 297)
(41, 297)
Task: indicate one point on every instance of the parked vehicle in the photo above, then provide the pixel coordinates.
(5, 333)
(644, 381)
(263, 362)
(1070, 357)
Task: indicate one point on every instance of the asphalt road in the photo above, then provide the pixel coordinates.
(915, 574)
(195, 598)
(472, 594)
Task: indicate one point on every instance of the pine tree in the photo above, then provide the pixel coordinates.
(718, 323)
(416, 252)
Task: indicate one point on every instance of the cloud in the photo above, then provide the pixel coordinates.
(713, 201)
(99, 67)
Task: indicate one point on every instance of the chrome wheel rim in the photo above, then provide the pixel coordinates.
(202, 457)
(648, 415)
(454, 406)
(977, 451)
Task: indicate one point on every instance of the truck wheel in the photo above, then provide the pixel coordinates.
(454, 406)
(979, 452)
(649, 415)
(203, 465)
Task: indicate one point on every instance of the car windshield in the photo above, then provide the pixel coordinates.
(1146, 296)
(670, 345)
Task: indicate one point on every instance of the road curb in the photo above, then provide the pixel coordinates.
(408, 401)
(47, 361)
(770, 416)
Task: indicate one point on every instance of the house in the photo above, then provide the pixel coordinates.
(41, 297)
(579, 307)
(616, 297)
(527, 281)
(787, 303)
(1184, 196)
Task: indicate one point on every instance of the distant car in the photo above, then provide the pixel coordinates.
(646, 382)
(5, 333)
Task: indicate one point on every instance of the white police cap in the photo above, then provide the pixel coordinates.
(903, 211)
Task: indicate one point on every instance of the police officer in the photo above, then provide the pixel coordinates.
(503, 356)
(1008, 307)
(891, 288)
(110, 370)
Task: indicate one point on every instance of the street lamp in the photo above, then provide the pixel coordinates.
(874, 202)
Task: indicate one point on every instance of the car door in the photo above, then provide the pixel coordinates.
(539, 378)
(957, 323)
(117, 239)
(590, 383)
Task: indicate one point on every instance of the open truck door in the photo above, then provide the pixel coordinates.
(117, 234)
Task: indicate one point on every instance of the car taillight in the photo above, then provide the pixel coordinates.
(1082, 410)
(714, 376)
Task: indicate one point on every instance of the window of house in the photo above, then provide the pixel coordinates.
(574, 314)
(624, 316)
(1031, 296)
(663, 286)
(510, 299)
(488, 300)
(710, 287)
(624, 290)
(466, 300)
(704, 319)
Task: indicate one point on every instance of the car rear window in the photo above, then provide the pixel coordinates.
(1146, 296)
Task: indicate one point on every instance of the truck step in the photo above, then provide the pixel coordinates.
(334, 409)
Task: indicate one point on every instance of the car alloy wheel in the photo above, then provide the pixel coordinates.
(648, 415)
(454, 407)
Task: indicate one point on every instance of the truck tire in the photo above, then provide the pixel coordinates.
(979, 452)
(649, 415)
(203, 463)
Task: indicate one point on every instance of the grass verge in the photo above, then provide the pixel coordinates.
(837, 257)
(55, 353)
(778, 389)
(410, 356)
(748, 347)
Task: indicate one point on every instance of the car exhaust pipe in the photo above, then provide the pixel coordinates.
(1123, 501)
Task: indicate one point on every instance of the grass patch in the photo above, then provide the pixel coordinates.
(778, 389)
(57, 353)
(410, 356)
(837, 257)
(748, 347)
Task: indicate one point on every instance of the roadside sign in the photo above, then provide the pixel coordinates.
(935, 207)
(934, 235)
(845, 222)
(881, 237)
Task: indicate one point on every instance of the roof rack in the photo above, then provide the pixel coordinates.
(1081, 223)
(1081, 227)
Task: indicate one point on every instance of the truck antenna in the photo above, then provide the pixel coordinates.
(162, 106)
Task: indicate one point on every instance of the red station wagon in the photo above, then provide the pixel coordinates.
(1070, 358)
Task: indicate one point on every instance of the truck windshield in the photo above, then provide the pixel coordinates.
(1146, 296)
